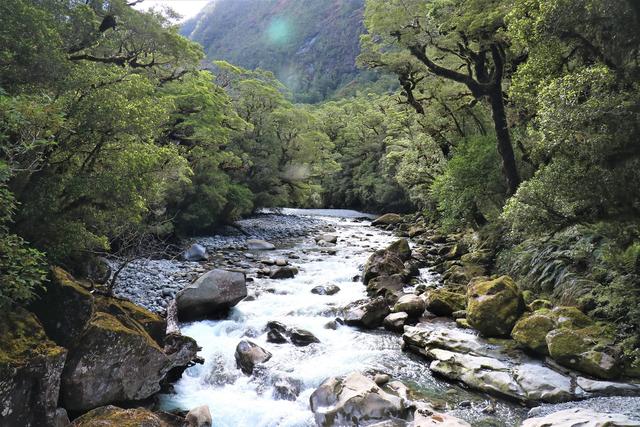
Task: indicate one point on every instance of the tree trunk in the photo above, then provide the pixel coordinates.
(505, 148)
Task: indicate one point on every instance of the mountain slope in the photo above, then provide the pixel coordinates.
(311, 45)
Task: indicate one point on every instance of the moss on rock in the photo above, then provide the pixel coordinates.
(494, 306)
(531, 331)
(443, 303)
(113, 416)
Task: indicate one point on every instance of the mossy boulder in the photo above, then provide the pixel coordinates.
(494, 306)
(382, 263)
(476, 257)
(387, 219)
(108, 416)
(539, 304)
(30, 370)
(401, 249)
(570, 317)
(134, 317)
(64, 307)
(443, 303)
(531, 332)
(112, 362)
(584, 350)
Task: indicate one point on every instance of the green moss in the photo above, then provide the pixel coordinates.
(133, 316)
(494, 306)
(531, 332)
(113, 416)
(538, 304)
(22, 338)
(443, 303)
(571, 317)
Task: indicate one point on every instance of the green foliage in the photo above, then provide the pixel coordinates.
(470, 191)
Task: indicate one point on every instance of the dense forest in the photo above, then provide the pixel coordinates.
(516, 120)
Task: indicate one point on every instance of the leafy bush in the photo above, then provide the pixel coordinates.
(471, 189)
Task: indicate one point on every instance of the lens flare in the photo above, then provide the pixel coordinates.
(279, 31)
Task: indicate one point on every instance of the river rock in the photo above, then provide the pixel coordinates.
(579, 417)
(276, 337)
(494, 306)
(283, 273)
(428, 418)
(531, 332)
(401, 249)
(196, 253)
(382, 263)
(30, 369)
(214, 292)
(395, 321)
(259, 245)
(387, 219)
(444, 303)
(248, 355)
(386, 285)
(355, 400)
(112, 362)
(575, 348)
(367, 314)
(199, 417)
(411, 304)
(114, 416)
(302, 337)
(328, 238)
(325, 290)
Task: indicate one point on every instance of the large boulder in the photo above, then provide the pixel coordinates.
(367, 314)
(382, 263)
(577, 349)
(580, 417)
(287, 272)
(386, 285)
(213, 293)
(108, 416)
(411, 304)
(395, 322)
(494, 306)
(30, 370)
(401, 249)
(531, 332)
(444, 303)
(356, 400)
(387, 219)
(248, 355)
(64, 308)
(112, 362)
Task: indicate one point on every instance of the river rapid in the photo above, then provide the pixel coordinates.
(277, 394)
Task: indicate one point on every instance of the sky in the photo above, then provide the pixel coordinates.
(186, 8)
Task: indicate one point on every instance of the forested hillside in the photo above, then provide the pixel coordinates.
(310, 45)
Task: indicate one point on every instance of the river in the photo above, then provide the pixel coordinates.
(278, 393)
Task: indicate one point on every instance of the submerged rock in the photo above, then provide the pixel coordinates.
(30, 369)
(248, 355)
(494, 306)
(355, 400)
(214, 292)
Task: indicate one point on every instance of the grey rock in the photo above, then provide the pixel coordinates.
(395, 321)
(216, 291)
(579, 417)
(367, 314)
(248, 355)
(196, 253)
(259, 245)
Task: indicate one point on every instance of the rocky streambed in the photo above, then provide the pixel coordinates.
(284, 355)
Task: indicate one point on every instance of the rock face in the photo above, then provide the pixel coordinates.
(112, 362)
(580, 417)
(444, 303)
(355, 400)
(114, 416)
(411, 304)
(248, 355)
(259, 245)
(30, 370)
(367, 314)
(494, 306)
(382, 263)
(195, 253)
(215, 291)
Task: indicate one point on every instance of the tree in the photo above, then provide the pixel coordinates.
(459, 41)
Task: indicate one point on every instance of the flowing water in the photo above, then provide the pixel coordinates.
(277, 394)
